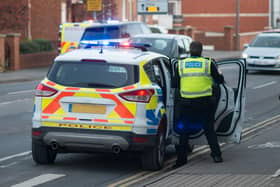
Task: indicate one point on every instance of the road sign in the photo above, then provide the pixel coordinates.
(94, 5)
(152, 6)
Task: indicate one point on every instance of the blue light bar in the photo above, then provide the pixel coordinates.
(97, 43)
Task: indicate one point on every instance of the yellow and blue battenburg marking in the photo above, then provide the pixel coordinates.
(155, 113)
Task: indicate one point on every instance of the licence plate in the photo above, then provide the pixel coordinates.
(88, 108)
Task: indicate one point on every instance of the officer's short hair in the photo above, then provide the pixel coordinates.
(196, 48)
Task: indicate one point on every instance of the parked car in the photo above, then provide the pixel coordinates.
(172, 45)
(117, 32)
(263, 53)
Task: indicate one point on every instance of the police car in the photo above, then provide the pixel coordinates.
(116, 99)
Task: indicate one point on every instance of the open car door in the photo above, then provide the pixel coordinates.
(230, 108)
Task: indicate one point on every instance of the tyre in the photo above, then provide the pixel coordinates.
(153, 159)
(42, 154)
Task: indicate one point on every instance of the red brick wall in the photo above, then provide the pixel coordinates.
(35, 60)
(215, 14)
(13, 17)
(45, 19)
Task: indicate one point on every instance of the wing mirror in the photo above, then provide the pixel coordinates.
(246, 46)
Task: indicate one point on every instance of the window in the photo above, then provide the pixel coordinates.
(158, 45)
(101, 33)
(154, 72)
(181, 47)
(95, 75)
(187, 43)
(266, 41)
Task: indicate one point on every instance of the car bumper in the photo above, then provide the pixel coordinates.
(73, 140)
(262, 68)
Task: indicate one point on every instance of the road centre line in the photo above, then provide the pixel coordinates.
(39, 180)
(14, 156)
(19, 92)
(14, 101)
(264, 85)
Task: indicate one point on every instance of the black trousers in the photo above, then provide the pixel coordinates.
(195, 112)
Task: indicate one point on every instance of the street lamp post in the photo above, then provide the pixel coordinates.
(237, 9)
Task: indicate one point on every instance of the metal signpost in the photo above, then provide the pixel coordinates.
(152, 6)
(145, 7)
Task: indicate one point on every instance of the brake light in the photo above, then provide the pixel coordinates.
(36, 133)
(143, 96)
(44, 91)
(125, 44)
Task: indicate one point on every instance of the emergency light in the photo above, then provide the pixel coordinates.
(188, 126)
(97, 43)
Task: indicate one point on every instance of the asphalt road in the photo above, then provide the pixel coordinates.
(17, 167)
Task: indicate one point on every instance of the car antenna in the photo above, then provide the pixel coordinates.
(101, 49)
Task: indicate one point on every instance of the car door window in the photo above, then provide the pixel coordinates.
(181, 47)
(187, 43)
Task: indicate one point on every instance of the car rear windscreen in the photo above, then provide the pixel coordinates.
(158, 45)
(102, 33)
(93, 74)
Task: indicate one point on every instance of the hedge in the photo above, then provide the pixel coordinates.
(35, 46)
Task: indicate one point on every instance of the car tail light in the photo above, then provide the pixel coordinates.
(44, 91)
(36, 133)
(143, 96)
(139, 139)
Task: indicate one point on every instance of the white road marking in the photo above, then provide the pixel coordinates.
(276, 174)
(14, 156)
(39, 180)
(266, 145)
(14, 101)
(8, 165)
(264, 85)
(19, 92)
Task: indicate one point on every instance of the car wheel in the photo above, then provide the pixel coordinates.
(153, 159)
(42, 154)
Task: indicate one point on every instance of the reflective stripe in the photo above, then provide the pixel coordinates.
(197, 93)
(182, 67)
(206, 66)
(195, 74)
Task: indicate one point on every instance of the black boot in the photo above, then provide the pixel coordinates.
(180, 162)
(217, 159)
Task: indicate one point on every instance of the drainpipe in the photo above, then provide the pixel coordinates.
(272, 13)
(29, 36)
(237, 4)
(123, 10)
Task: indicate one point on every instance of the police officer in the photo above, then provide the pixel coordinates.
(195, 107)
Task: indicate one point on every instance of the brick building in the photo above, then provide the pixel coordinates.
(214, 15)
(34, 18)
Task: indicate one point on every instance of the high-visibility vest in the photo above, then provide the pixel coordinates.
(195, 77)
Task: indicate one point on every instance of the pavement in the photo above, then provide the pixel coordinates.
(39, 73)
(244, 164)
